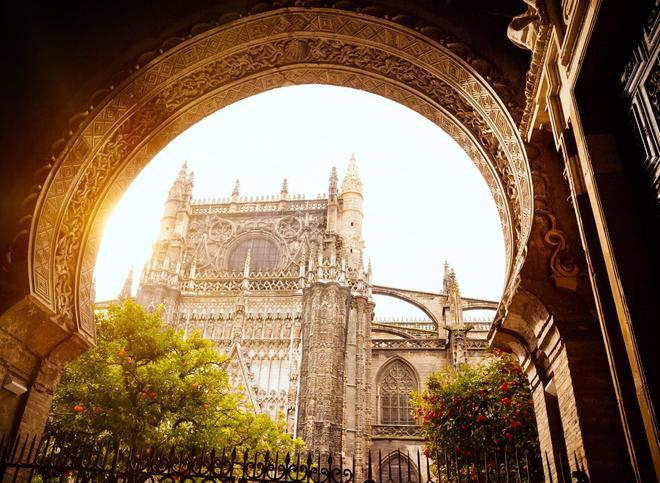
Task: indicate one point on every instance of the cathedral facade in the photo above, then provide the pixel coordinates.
(278, 283)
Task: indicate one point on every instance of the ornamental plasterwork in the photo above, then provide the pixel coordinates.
(235, 61)
(289, 227)
(212, 238)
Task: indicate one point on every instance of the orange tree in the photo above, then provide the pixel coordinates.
(146, 384)
(485, 406)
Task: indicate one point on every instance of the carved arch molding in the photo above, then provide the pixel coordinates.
(233, 61)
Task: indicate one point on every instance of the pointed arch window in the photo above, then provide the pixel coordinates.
(397, 468)
(397, 383)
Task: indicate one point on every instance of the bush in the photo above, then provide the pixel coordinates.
(147, 385)
(486, 406)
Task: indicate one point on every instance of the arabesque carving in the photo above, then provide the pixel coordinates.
(562, 266)
(385, 57)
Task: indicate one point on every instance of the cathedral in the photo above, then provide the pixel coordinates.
(279, 284)
(556, 102)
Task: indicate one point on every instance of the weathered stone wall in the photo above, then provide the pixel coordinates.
(321, 400)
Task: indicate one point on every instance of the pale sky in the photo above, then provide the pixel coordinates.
(424, 200)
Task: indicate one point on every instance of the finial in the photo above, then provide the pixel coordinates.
(332, 185)
(352, 166)
(352, 180)
(182, 186)
(446, 282)
(236, 192)
(183, 171)
(284, 191)
(452, 283)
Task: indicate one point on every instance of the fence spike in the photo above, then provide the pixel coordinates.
(380, 466)
(547, 462)
(70, 452)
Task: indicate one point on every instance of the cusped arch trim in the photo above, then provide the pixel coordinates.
(393, 360)
(239, 59)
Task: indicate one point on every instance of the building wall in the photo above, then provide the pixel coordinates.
(277, 282)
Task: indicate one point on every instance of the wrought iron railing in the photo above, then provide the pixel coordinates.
(80, 459)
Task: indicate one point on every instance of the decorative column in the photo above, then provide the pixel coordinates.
(456, 330)
(357, 387)
(320, 411)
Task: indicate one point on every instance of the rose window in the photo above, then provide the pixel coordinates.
(263, 255)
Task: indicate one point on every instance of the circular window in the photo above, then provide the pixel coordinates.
(263, 255)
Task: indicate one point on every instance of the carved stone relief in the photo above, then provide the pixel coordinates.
(405, 66)
(211, 239)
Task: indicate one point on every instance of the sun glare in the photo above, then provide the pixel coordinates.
(424, 200)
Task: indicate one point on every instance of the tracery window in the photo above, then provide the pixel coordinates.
(396, 385)
(263, 255)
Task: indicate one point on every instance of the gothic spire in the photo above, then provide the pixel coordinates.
(352, 180)
(237, 191)
(284, 191)
(332, 185)
(127, 289)
(182, 186)
(445, 278)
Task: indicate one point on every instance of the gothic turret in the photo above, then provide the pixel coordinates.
(333, 206)
(454, 316)
(284, 191)
(236, 192)
(351, 216)
(160, 280)
(455, 327)
(177, 207)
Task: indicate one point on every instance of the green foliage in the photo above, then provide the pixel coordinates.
(483, 406)
(145, 384)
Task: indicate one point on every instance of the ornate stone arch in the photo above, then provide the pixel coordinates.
(178, 87)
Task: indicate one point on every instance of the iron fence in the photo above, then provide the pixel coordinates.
(78, 459)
